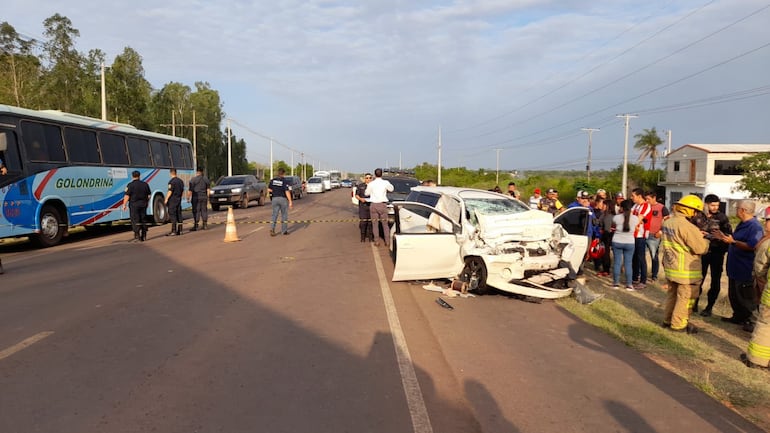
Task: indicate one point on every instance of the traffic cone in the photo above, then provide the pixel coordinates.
(230, 233)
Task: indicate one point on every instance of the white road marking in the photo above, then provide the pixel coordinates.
(24, 344)
(414, 398)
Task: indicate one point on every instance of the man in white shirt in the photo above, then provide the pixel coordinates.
(378, 190)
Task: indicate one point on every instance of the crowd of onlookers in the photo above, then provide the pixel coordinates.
(697, 238)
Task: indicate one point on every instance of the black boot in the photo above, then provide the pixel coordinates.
(205, 227)
(179, 229)
(194, 227)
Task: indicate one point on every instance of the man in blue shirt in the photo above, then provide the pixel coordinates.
(740, 262)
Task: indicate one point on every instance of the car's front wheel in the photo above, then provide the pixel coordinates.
(475, 274)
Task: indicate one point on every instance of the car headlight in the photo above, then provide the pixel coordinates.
(236, 190)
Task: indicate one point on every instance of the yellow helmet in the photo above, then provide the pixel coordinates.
(691, 201)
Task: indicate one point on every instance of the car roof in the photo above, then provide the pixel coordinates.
(458, 192)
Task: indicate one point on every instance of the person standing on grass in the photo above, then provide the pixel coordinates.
(740, 260)
(623, 244)
(682, 246)
(642, 210)
(715, 257)
(658, 213)
(758, 352)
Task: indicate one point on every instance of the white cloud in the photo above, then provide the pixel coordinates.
(328, 76)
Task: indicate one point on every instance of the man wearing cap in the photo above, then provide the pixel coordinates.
(582, 199)
(534, 199)
(682, 246)
(602, 194)
(758, 352)
(550, 203)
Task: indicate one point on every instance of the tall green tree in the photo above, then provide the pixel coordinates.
(90, 90)
(19, 68)
(756, 169)
(647, 143)
(207, 106)
(62, 78)
(128, 92)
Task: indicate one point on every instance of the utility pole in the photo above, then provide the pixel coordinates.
(271, 157)
(669, 142)
(438, 178)
(195, 127)
(625, 153)
(497, 168)
(229, 149)
(588, 164)
(104, 96)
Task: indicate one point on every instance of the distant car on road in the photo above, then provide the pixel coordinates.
(346, 183)
(314, 185)
(237, 191)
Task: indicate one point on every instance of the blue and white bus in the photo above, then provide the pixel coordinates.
(66, 170)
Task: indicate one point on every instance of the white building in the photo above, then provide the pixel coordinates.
(703, 169)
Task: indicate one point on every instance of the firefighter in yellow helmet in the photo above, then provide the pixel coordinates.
(682, 246)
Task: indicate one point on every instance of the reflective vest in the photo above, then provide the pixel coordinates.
(682, 244)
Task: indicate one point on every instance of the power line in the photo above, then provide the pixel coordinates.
(624, 52)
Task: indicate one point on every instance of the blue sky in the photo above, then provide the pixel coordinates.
(361, 84)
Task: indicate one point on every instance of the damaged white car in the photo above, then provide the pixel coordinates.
(486, 239)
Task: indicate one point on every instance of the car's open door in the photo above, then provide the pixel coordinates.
(576, 222)
(425, 244)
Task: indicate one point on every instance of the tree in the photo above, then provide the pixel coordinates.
(62, 78)
(19, 68)
(756, 169)
(648, 143)
(128, 92)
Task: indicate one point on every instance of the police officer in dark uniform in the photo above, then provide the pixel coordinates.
(174, 203)
(364, 211)
(280, 197)
(198, 192)
(137, 196)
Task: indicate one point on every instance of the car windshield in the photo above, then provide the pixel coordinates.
(314, 180)
(494, 206)
(232, 180)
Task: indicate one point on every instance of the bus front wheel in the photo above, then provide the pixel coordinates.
(159, 213)
(51, 227)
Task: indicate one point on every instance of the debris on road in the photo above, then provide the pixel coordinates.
(444, 304)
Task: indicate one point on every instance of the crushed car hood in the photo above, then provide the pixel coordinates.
(526, 226)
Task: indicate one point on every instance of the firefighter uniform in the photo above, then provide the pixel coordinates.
(682, 246)
(758, 352)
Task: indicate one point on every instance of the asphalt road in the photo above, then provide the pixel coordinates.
(303, 333)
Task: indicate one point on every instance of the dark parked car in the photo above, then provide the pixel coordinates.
(402, 186)
(295, 184)
(237, 191)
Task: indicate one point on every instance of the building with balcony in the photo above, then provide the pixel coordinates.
(703, 169)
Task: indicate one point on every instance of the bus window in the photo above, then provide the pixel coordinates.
(177, 157)
(160, 154)
(186, 149)
(43, 142)
(113, 149)
(81, 146)
(139, 152)
(10, 150)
